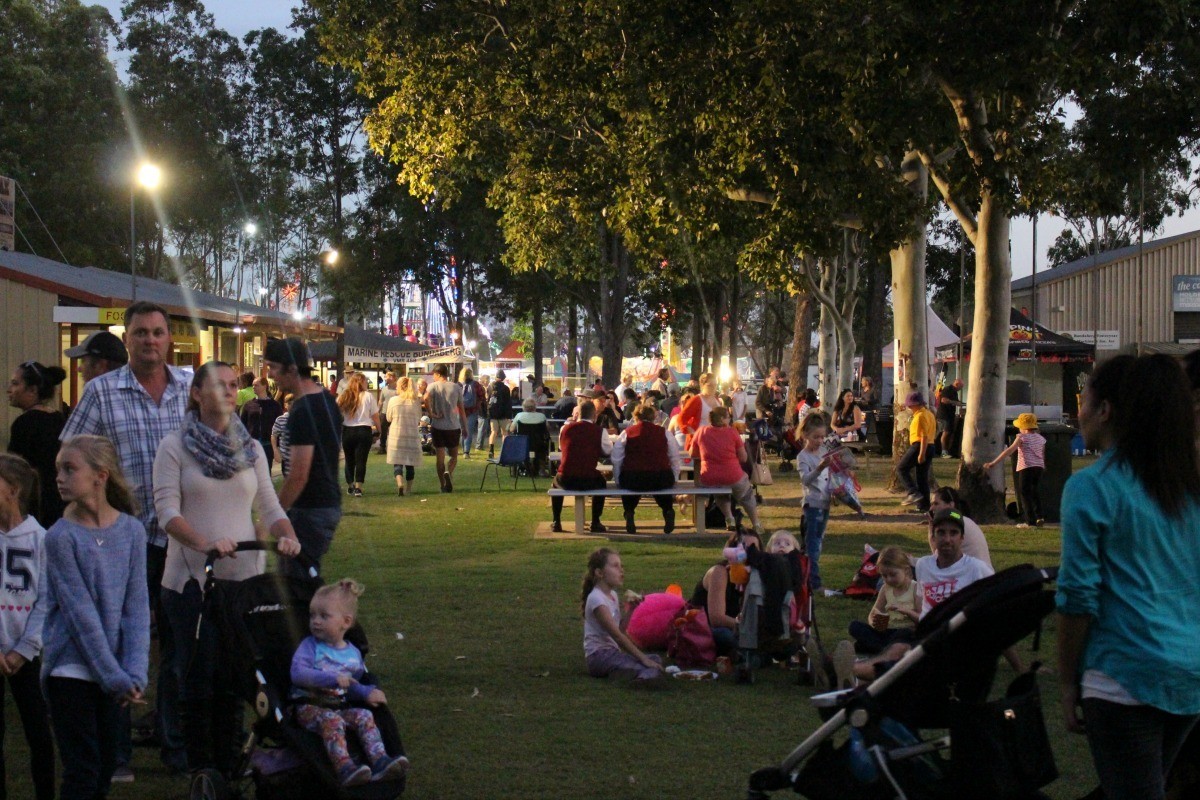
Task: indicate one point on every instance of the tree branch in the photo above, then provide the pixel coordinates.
(963, 214)
(751, 196)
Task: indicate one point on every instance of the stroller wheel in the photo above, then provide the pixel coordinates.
(208, 784)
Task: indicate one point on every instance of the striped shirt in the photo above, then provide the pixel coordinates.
(116, 407)
(1031, 450)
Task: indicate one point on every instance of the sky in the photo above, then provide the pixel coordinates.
(239, 17)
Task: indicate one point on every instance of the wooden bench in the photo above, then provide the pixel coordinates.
(681, 488)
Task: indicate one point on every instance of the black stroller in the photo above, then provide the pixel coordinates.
(998, 749)
(261, 621)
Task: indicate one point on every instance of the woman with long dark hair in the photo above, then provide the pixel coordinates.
(34, 434)
(1128, 596)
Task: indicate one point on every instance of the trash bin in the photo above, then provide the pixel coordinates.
(884, 422)
(1058, 466)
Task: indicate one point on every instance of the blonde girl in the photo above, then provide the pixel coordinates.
(404, 434)
(897, 607)
(326, 684)
(360, 420)
(96, 637)
(607, 649)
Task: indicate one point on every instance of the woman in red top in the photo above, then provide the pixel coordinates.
(694, 414)
(645, 457)
(722, 455)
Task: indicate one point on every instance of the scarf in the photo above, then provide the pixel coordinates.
(220, 456)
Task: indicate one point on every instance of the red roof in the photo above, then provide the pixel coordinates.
(512, 351)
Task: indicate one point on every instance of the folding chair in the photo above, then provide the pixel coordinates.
(513, 454)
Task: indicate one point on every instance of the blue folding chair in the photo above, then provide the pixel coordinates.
(513, 454)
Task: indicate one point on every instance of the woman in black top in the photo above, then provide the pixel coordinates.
(848, 417)
(34, 434)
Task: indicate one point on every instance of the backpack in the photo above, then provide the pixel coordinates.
(499, 402)
(470, 396)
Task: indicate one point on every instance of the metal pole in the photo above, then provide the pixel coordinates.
(1033, 320)
(1141, 264)
(132, 245)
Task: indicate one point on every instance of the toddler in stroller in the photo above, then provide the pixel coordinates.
(326, 677)
(263, 622)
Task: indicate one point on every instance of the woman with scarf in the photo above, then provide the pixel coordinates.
(208, 477)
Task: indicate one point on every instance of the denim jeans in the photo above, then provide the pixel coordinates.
(472, 435)
(726, 640)
(914, 476)
(84, 720)
(1133, 747)
(211, 713)
(314, 530)
(815, 520)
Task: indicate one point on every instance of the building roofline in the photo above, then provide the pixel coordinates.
(1088, 263)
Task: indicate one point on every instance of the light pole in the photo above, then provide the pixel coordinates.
(148, 176)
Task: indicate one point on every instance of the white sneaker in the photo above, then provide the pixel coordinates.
(357, 776)
(843, 665)
(122, 774)
(911, 499)
(1022, 524)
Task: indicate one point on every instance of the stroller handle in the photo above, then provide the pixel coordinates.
(303, 559)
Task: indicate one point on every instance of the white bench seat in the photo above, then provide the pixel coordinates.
(612, 490)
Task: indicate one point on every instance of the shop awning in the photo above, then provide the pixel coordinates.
(1028, 341)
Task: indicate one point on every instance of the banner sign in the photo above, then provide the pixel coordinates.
(1104, 340)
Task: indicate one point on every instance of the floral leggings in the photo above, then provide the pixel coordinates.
(331, 725)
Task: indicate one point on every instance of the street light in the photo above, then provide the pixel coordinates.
(331, 257)
(149, 177)
(250, 229)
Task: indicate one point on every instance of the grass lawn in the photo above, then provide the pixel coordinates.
(488, 681)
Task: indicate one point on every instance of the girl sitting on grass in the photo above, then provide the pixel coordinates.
(897, 607)
(605, 646)
(326, 671)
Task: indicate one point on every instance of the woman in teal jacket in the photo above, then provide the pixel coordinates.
(1128, 594)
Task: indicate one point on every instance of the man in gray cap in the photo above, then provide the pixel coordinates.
(100, 352)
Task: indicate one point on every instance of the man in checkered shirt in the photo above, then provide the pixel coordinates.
(135, 407)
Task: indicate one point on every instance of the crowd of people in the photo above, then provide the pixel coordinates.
(119, 504)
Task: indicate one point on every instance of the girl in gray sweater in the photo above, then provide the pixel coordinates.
(96, 637)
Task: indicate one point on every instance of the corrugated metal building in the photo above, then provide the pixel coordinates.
(1102, 295)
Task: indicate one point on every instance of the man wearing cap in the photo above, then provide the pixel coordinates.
(134, 407)
(947, 412)
(310, 494)
(940, 576)
(101, 352)
(913, 468)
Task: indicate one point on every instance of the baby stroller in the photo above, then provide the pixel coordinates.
(998, 749)
(777, 612)
(261, 621)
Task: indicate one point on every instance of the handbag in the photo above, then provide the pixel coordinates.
(999, 749)
(760, 474)
(690, 641)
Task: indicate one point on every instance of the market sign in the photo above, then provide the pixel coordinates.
(1104, 340)
(8, 214)
(1185, 293)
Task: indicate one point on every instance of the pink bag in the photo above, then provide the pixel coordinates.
(690, 642)
(650, 623)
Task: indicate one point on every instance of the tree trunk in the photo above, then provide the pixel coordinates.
(537, 345)
(719, 331)
(572, 339)
(612, 323)
(875, 303)
(733, 325)
(983, 430)
(827, 344)
(697, 346)
(910, 360)
(801, 347)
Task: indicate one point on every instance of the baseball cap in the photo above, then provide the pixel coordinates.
(288, 352)
(947, 515)
(100, 344)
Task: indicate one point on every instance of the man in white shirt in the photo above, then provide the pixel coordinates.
(942, 575)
